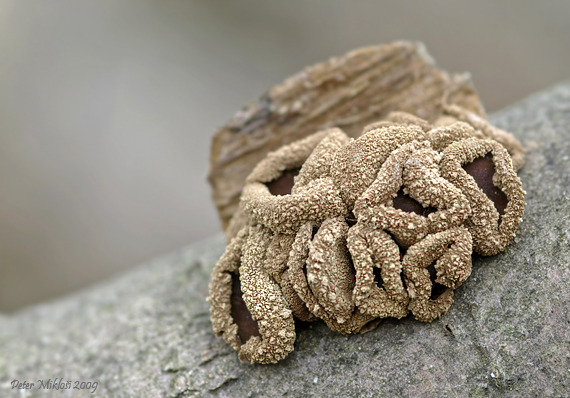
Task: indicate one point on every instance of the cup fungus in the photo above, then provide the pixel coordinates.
(351, 231)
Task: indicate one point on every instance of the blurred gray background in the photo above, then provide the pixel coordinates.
(107, 108)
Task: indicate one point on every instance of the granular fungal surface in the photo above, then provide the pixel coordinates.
(351, 231)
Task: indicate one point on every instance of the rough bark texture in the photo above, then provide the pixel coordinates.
(148, 333)
(350, 92)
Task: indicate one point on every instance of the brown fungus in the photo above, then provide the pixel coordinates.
(264, 299)
(443, 136)
(413, 166)
(490, 132)
(280, 272)
(251, 314)
(298, 290)
(373, 250)
(452, 251)
(357, 163)
(490, 234)
(304, 252)
(222, 293)
(369, 228)
(297, 305)
(398, 118)
(278, 255)
(313, 197)
(330, 272)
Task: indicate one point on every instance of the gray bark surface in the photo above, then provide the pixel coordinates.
(148, 333)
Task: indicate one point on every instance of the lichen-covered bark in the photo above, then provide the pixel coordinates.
(148, 333)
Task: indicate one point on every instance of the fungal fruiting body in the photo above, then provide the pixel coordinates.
(351, 231)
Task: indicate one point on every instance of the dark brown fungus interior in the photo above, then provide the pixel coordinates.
(301, 325)
(378, 277)
(282, 185)
(403, 249)
(351, 219)
(437, 288)
(247, 327)
(410, 205)
(314, 231)
(482, 170)
(352, 269)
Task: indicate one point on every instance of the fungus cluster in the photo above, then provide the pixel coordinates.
(351, 231)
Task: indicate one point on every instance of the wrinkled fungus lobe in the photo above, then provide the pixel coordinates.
(351, 231)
